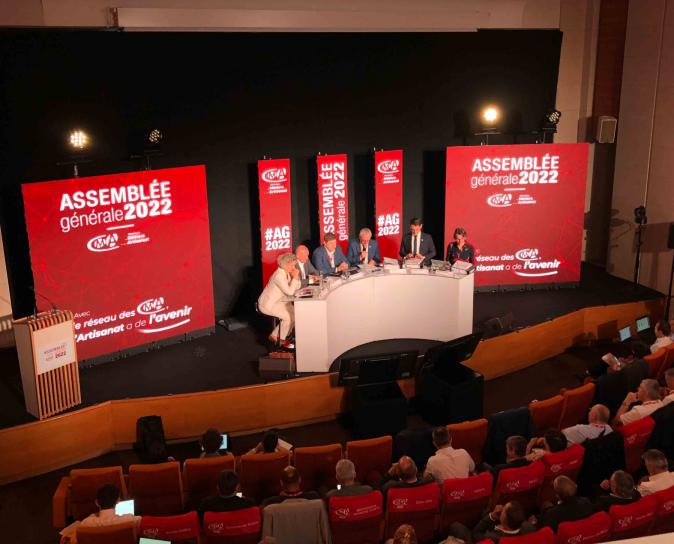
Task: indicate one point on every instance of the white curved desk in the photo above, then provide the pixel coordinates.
(407, 303)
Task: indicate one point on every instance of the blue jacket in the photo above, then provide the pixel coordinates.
(353, 251)
(322, 263)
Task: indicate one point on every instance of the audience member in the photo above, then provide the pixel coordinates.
(447, 461)
(597, 426)
(268, 444)
(669, 379)
(569, 508)
(503, 521)
(106, 499)
(516, 455)
(211, 441)
(404, 473)
(227, 499)
(345, 472)
(551, 442)
(620, 491)
(649, 396)
(291, 483)
(405, 534)
(663, 330)
(659, 477)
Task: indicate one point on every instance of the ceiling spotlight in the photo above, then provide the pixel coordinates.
(490, 114)
(155, 136)
(553, 116)
(78, 139)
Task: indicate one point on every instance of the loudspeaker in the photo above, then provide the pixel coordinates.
(277, 367)
(498, 325)
(150, 442)
(606, 129)
(670, 240)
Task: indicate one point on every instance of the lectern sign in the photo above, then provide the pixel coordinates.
(388, 185)
(333, 197)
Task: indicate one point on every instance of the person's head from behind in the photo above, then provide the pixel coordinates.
(107, 496)
(460, 235)
(516, 447)
(554, 440)
(405, 534)
(564, 487)
(345, 472)
(648, 390)
(663, 328)
(655, 461)
(302, 254)
(669, 378)
(599, 414)
(441, 437)
(622, 484)
(639, 350)
(228, 483)
(211, 441)
(512, 516)
(407, 469)
(290, 479)
(269, 442)
(330, 241)
(416, 225)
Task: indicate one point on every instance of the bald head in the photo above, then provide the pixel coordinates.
(407, 469)
(599, 414)
(302, 253)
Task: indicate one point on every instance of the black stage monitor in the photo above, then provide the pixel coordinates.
(444, 360)
(380, 368)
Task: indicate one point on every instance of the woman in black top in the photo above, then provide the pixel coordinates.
(459, 249)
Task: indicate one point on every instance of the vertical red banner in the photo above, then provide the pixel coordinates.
(275, 212)
(388, 209)
(333, 197)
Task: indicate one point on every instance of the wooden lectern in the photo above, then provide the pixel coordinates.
(48, 360)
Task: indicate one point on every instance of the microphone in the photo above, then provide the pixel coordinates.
(53, 310)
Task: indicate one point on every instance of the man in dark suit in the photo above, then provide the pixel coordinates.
(364, 250)
(416, 244)
(516, 455)
(303, 264)
(569, 508)
(329, 258)
(619, 490)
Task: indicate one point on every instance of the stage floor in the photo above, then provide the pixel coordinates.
(229, 359)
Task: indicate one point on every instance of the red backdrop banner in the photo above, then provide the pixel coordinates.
(522, 206)
(333, 197)
(388, 185)
(275, 212)
(129, 254)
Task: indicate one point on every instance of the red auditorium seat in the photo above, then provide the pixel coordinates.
(316, 466)
(356, 520)
(567, 462)
(542, 536)
(123, 533)
(655, 362)
(595, 528)
(470, 435)
(200, 477)
(237, 527)
(156, 489)
(519, 484)
(261, 473)
(417, 506)
(546, 413)
(576, 405)
(633, 520)
(465, 499)
(667, 363)
(664, 516)
(181, 528)
(372, 458)
(635, 437)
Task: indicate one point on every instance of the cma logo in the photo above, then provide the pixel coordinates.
(390, 166)
(151, 306)
(151, 531)
(104, 242)
(400, 503)
(275, 175)
(527, 254)
(500, 200)
(342, 513)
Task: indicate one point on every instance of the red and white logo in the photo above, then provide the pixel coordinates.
(527, 254)
(103, 242)
(500, 200)
(533, 266)
(390, 166)
(151, 306)
(275, 175)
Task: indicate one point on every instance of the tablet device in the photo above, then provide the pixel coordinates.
(643, 323)
(625, 333)
(124, 507)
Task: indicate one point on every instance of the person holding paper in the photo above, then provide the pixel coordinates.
(416, 244)
(329, 258)
(282, 283)
(460, 249)
(364, 250)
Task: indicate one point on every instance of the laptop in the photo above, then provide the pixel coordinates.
(223, 446)
(625, 333)
(643, 323)
(124, 507)
(144, 540)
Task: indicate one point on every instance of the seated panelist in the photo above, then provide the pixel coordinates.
(416, 244)
(329, 257)
(307, 271)
(282, 283)
(460, 249)
(364, 250)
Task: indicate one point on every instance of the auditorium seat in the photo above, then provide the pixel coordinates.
(595, 528)
(156, 489)
(664, 515)
(372, 458)
(465, 499)
(261, 473)
(655, 362)
(471, 436)
(576, 405)
(180, 528)
(633, 520)
(635, 436)
(521, 484)
(542, 536)
(76, 494)
(237, 527)
(123, 533)
(316, 466)
(417, 506)
(356, 520)
(547, 413)
(567, 462)
(200, 477)
(667, 363)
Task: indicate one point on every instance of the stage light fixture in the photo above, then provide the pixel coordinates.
(78, 139)
(490, 114)
(553, 117)
(155, 136)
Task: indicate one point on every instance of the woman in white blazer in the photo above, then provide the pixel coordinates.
(282, 283)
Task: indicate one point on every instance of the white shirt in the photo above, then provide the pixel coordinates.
(656, 483)
(365, 260)
(450, 463)
(641, 411)
(331, 258)
(580, 433)
(303, 272)
(107, 517)
(661, 342)
(277, 287)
